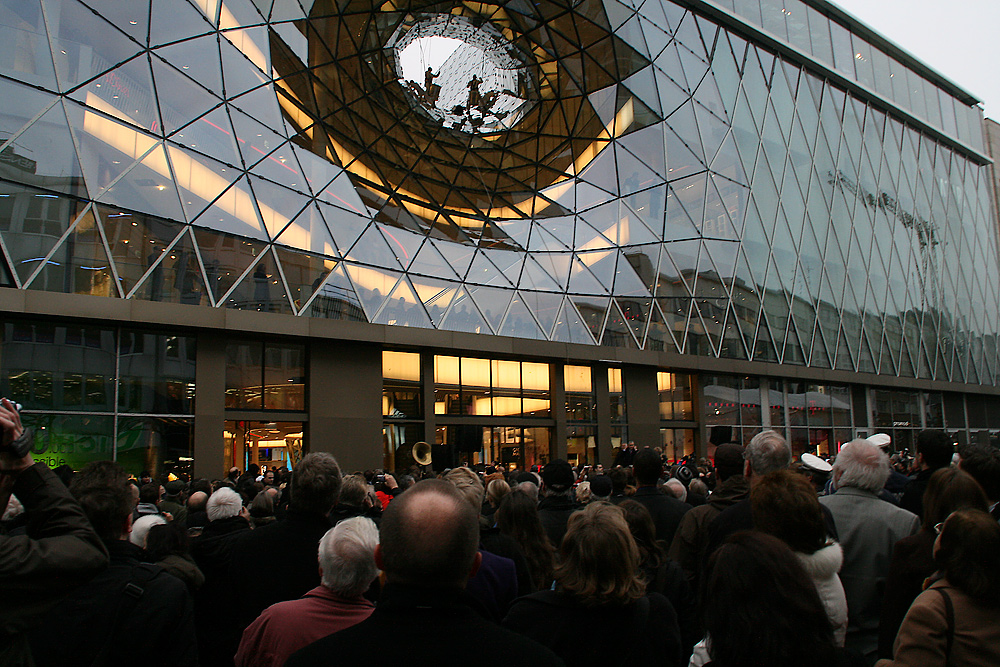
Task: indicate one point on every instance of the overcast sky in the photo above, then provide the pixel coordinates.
(960, 39)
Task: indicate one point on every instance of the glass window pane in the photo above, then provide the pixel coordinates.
(843, 50)
(284, 377)
(401, 366)
(244, 375)
(156, 373)
(819, 33)
(577, 378)
(73, 440)
(160, 445)
(49, 367)
(535, 377)
(900, 83)
(863, 61)
(797, 23)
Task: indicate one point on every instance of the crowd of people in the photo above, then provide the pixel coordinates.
(747, 558)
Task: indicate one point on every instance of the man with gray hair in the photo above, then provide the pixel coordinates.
(347, 568)
(768, 451)
(868, 528)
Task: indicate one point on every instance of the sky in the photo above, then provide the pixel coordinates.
(959, 39)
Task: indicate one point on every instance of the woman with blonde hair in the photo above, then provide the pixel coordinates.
(599, 605)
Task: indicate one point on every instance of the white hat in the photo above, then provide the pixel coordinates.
(880, 440)
(815, 463)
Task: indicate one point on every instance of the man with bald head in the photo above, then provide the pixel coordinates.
(429, 539)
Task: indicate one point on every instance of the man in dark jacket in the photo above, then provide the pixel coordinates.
(691, 538)
(934, 451)
(558, 501)
(132, 608)
(58, 550)
(287, 548)
(429, 548)
(667, 511)
(213, 551)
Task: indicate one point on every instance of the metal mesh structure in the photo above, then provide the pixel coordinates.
(640, 175)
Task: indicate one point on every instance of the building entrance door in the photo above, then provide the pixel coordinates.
(271, 444)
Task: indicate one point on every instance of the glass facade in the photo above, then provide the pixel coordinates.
(642, 178)
(94, 393)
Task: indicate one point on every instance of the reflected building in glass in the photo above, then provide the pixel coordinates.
(586, 223)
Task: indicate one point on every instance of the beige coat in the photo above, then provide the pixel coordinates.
(922, 639)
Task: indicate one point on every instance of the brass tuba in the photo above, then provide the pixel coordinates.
(421, 453)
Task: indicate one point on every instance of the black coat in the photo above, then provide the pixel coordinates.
(666, 510)
(416, 626)
(213, 552)
(554, 512)
(276, 562)
(597, 636)
(154, 625)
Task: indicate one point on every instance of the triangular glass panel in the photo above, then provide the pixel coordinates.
(277, 205)
(198, 59)
(519, 323)
(181, 99)
(287, 10)
(200, 180)
(542, 240)
(545, 307)
(372, 248)
(79, 59)
(225, 258)
(372, 286)
(588, 238)
(23, 104)
(147, 187)
(44, 154)
(672, 96)
(177, 278)
(403, 308)
(464, 315)
(678, 225)
(126, 93)
(308, 232)
(261, 104)
(436, 295)
(602, 172)
(255, 140)
(732, 344)
(212, 135)
(405, 244)
(533, 277)
(234, 212)
(261, 289)
(336, 299)
(458, 256)
(492, 302)
(80, 264)
(570, 327)
(252, 43)
(428, 261)
(171, 20)
(484, 272)
(594, 312)
(659, 338)
(582, 281)
(137, 242)
(32, 222)
(239, 74)
(341, 192)
(24, 24)
(317, 171)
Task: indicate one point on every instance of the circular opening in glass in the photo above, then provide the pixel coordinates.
(467, 77)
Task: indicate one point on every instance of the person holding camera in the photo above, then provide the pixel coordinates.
(58, 551)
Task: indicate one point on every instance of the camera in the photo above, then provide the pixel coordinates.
(20, 447)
